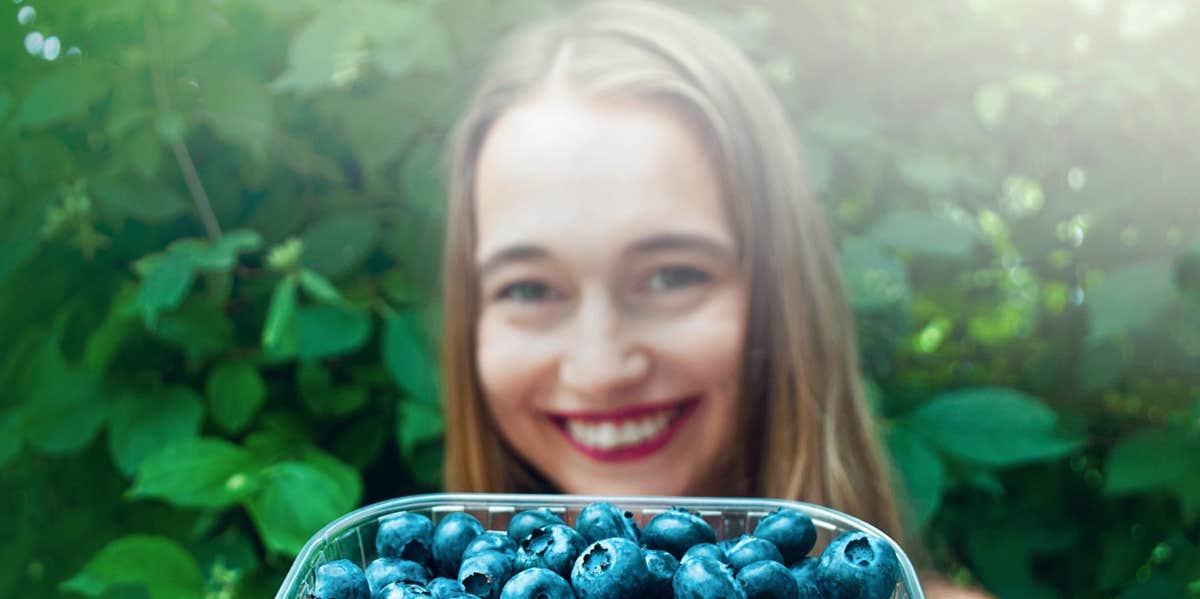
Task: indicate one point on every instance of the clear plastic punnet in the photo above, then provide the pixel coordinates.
(353, 536)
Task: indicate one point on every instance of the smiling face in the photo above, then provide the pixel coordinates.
(612, 308)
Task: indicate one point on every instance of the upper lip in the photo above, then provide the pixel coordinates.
(625, 413)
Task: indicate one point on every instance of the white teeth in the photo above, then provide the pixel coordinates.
(629, 433)
(610, 435)
(606, 435)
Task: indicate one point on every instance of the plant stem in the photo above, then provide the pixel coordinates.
(182, 156)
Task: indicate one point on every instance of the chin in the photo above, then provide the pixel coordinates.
(624, 487)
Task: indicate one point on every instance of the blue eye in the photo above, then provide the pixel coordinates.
(674, 277)
(526, 291)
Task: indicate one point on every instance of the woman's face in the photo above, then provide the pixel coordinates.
(612, 308)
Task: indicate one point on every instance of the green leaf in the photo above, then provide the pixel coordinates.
(324, 330)
(330, 49)
(148, 202)
(339, 243)
(279, 332)
(299, 156)
(407, 360)
(201, 472)
(144, 153)
(921, 469)
(239, 109)
(984, 480)
(171, 127)
(321, 396)
(284, 520)
(921, 234)
(166, 279)
(6, 104)
(17, 241)
(1005, 559)
(63, 94)
(992, 426)
(421, 176)
(934, 173)
(399, 287)
(221, 255)
(406, 37)
(189, 29)
(362, 442)
(10, 436)
(375, 146)
(320, 288)
(64, 412)
(141, 424)
(875, 279)
(1151, 459)
(199, 328)
(158, 564)
(319, 50)
(1129, 298)
(346, 477)
(235, 391)
(417, 423)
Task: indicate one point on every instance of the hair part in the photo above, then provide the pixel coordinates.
(808, 434)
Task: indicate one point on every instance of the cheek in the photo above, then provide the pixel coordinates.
(511, 363)
(708, 343)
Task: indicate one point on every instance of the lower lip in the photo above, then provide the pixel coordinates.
(632, 452)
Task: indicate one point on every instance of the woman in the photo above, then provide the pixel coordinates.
(641, 295)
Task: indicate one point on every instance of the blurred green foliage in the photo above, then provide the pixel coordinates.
(219, 227)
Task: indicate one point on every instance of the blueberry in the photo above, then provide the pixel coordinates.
(491, 541)
(610, 569)
(453, 533)
(792, 531)
(806, 574)
(443, 587)
(706, 578)
(705, 550)
(523, 523)
(386, 570)
(752, 549)
(767, 579)
(603, 520)
(401, 590)
(676, 530)
(341, 579)
(553, 547)
(858, 565)
(661, 566)
(485, 573)
(405, 535)
(537, 583)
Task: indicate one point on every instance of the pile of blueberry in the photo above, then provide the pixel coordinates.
(606, 556)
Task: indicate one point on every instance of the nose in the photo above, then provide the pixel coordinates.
(602, 357)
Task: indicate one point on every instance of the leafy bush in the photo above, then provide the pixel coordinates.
(219, 230)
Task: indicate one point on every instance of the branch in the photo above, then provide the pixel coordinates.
(182, 156)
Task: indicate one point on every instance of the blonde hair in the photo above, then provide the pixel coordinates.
(807, 432)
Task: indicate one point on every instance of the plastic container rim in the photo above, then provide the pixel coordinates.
(908, 574)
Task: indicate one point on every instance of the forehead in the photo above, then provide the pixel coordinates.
(572, 173)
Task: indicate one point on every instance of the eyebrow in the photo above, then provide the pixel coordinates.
(647, 245)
